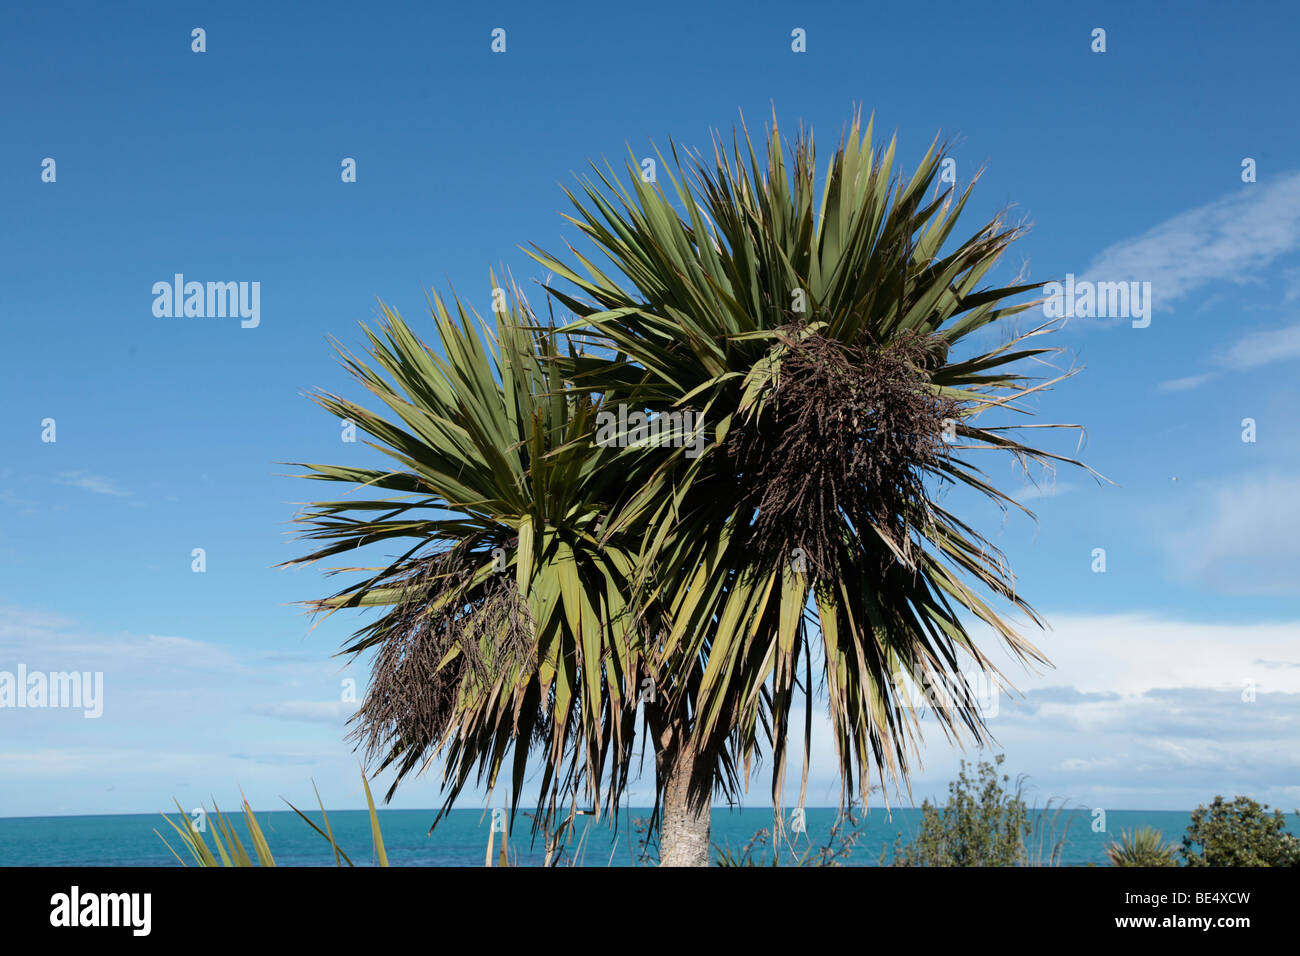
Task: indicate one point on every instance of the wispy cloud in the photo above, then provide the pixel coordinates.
(1045, 490)
(1233, 239)
(316, 711)
(1291, 279)
(96, 483)
(162, 694)
(1262, 348)
(1259, 348)
(1243, 541)
(1132, 654)
(1141, 710)
(295, 759)
(1187, 383)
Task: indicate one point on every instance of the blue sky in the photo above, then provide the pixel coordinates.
(225, 166)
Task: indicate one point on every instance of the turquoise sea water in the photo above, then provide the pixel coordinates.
(461, 839)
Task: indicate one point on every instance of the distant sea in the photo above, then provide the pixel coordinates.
(461, 839)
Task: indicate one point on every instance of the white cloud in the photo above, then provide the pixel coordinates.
(1244, 539)
(1252, 351)
(1187, 383)
(179, 717)
(1261, 348)
(96, 483)
(71, 762)
(1292, 279)
(1046, 489)
(1139, 710)
(17, 621)
(1128, 655)
(319, 711)
(1147, 711)
(57, 644)
(1232, 239)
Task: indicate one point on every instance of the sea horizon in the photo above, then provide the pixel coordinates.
(713, 807)
(461, 839)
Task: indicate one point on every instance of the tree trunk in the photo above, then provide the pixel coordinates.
(688, 787)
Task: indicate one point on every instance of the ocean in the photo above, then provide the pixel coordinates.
(461, 839)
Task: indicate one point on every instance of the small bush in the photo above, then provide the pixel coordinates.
(983, 824)
(1145, 846)
(1240, 833)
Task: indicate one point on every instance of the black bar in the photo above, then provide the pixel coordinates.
(502, 908)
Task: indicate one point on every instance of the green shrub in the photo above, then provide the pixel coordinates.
(984, 823)
(1240, 833)
(1145, 846)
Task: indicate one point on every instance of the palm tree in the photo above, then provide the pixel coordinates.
(504, 626)
(819, 336)
(825, 341)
